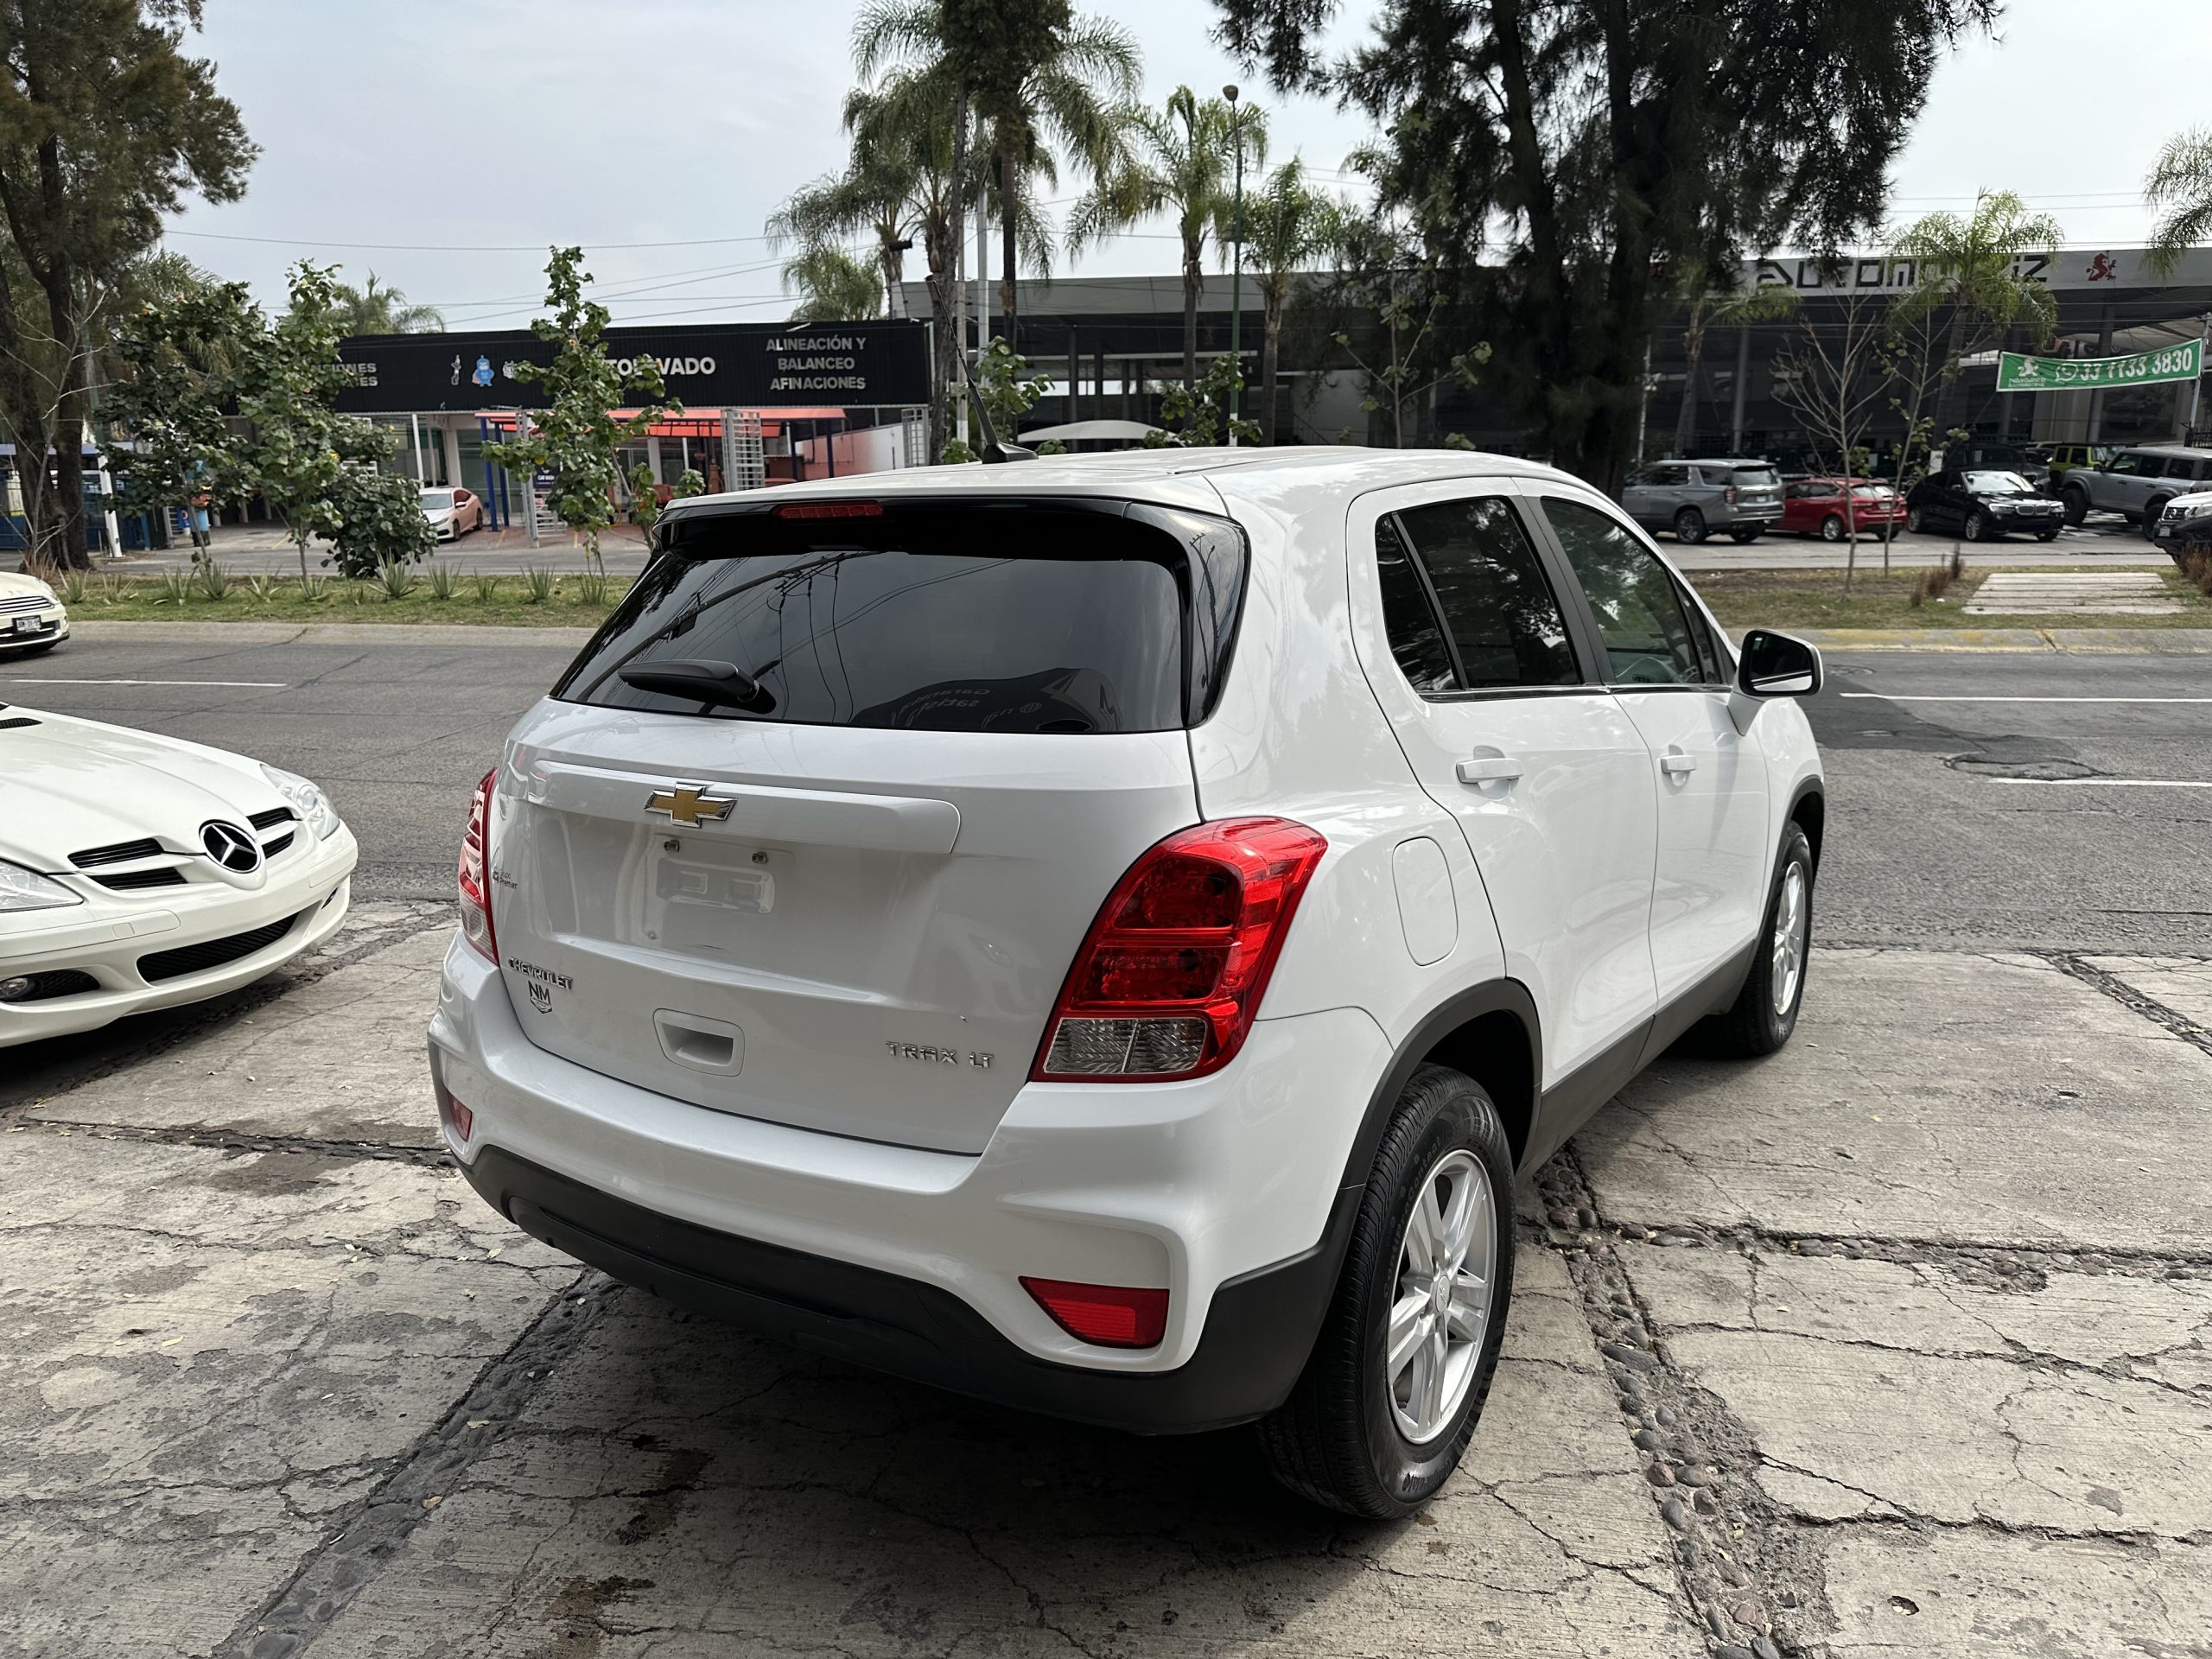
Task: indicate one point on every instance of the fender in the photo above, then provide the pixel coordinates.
(1496, 996)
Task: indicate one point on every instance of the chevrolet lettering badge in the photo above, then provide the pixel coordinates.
(690, 803)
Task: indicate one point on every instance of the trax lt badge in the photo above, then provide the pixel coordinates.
(690, 803)
(936, 1056)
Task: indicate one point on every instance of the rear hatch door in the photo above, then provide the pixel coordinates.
(812, 830)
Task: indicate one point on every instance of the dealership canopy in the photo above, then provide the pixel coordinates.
(2018, 373)
(745, 366)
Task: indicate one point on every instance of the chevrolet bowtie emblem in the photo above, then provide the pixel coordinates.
(690, 803)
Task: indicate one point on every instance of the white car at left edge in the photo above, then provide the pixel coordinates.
(140, 872)
(32, 617)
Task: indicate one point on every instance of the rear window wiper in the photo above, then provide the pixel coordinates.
(704, 682)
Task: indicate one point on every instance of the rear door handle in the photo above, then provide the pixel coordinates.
(1490, 769)
(1676, 764)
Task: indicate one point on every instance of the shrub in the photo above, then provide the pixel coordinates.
(315, 589)
(176, 588)
(537, 579)
(591, 588)
(212, 581)
(443, 581)
(397, 580)
(486, 588)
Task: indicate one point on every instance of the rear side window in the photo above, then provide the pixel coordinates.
(1502, 624)
(1409, 618)
(1001, 615)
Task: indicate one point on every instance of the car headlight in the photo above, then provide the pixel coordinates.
(23, 889)
(311, 804)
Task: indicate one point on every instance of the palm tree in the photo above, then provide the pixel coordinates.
(374, 309)
(1730, 307)
(833, 286)
(2181, 184)
(1287, 225)
(1969, 267)
(1184, 170)
(1037, 76)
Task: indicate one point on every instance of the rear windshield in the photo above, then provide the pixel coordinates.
(1755, 475)
(1003, 615)
(1872, 491)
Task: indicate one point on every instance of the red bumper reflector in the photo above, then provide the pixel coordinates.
(454, 1116)
(1106, 1316)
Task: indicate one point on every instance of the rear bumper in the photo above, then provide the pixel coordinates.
(1224, 1190)
(1257, 1334)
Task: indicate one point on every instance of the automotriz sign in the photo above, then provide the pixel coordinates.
(744, 365)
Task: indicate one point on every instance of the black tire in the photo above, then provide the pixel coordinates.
(2152, 510)
(1689, 526)
(2077, 501)
(1753, 1024)
(1335, 1440)
(2046, 534)
(1979, 528)
(1915, 520)
(1831, 528)
(1745, 538)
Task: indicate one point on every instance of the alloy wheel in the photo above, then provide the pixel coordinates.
(1447, 1266)
(1791, 924)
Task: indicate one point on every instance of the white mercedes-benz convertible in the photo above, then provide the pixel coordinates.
(139, 872)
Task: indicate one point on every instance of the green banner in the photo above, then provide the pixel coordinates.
(2018, 372)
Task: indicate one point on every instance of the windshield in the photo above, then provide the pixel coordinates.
(1003, 615)
(1998, 483)
(1755, 475)
(437, 500)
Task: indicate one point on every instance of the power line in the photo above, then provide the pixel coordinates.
(455, 247)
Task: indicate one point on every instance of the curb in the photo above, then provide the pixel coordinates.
(2172, 642)
(329, 633)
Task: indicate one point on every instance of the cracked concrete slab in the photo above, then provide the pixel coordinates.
(1876, 1390)
(340, 1059)
(684, 1489)
(208, 1357)
(1931, 1095)
(2183, 983)
(1979, 1595)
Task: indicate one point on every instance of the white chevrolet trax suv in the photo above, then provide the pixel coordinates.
(1105, 934)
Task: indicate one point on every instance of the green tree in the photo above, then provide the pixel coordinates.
(1182, 167)
(832, 286)
(380, 519)
(288, 392)
(179, 360)
(1038, 78)
(374, 309)
(1289, 226)
(1556, 157)
(1727, 304)
(577, 436)
(1968, 270)
(2180, 187)
(106, 126)
(1198, 415)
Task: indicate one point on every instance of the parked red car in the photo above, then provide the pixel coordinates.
(1832, 508)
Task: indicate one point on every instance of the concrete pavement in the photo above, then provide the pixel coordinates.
(1898, 1341)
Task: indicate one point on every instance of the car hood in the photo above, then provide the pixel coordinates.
(13, 582)
(68, 785)
(2194, 502)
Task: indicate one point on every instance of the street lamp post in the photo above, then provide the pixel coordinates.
(1236, 269)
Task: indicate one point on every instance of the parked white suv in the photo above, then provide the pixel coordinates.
(1104, 934)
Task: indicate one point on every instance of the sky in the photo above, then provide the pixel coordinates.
(464, 135)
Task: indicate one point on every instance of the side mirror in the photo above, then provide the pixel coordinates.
(1775, 665)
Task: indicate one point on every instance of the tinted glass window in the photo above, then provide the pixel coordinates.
(1713, 657)
(945, 616)
(2131, 464)
(1998, 483)
(2180, 467)
(1646, 635)
(1499, 608)
(1667, 475)
(1755, 475)
(1416, 635)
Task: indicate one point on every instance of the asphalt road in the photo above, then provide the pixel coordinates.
(1997, 814)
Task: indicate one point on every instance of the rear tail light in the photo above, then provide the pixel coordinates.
(476, 872)
(1105, 1316)
(1732, 495)
(454, 1116)
(1170, 976)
